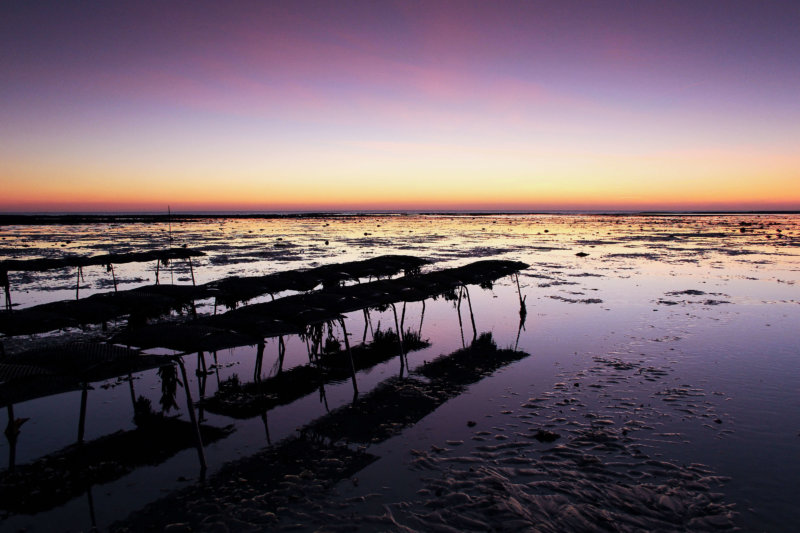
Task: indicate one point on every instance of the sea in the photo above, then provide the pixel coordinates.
(654, 383)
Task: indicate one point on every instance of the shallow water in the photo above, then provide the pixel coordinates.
(667, 362)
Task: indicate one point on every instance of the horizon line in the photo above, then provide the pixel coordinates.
(244, 213)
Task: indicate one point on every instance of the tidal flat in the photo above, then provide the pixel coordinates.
(632, 373)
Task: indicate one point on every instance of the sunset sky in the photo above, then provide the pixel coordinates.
(399, 105)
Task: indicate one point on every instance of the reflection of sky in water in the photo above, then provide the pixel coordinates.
(693, 360)
(252, 246)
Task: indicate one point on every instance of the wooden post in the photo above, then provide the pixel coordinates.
(519, 330)
(471, 316)
(190, 407)
(202, 377)
(523, 310)
(350, 355)
(110, 268)
(191, 270)
(78, 282)
(82, 419)
(12, 433)
(399, 331)
(421, 318)
(281, 353)
(322, 396)
(201, 364)
(366, 325)
(6, 283)
(259, 360)
(157, 268)
(133, 393)
(400, 340)
(460, 323)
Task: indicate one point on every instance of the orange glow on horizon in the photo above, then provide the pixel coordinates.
(428, 178)
(675, 202)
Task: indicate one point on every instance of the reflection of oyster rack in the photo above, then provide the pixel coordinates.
(331, 448)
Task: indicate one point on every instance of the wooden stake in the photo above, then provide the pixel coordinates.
(133, 393)
(6, 283)
(523, 310)
(460, 323)
(259, 360)
(471, 316)
(82, 419)
(190, 407)
(78, 282)
(400, 340)
(399, 331)
(366, 326)
(12, 433)
(322, 396)
(201, 364)
(202, 377)
(281, 353)
(421, 318)
(113, 276)
(350, 355)
(216, 368)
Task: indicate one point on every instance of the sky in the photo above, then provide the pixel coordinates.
(418, 105)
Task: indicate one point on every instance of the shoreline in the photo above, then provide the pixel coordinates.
(38, 219)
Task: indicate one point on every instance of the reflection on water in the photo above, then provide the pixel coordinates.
(662, 367)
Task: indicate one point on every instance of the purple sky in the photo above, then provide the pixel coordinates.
(399, 104)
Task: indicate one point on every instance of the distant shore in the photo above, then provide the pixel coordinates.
(121, 218)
